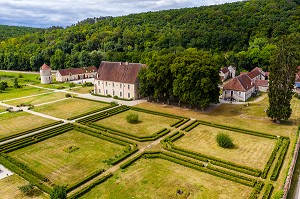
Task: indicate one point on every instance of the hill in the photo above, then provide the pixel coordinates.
(15, 31)
(241, 33)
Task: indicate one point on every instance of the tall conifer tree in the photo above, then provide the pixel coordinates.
(282, 79)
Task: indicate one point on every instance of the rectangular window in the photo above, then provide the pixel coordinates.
(128, 86)
(98, 82)
(120, 85)
(113, 84)
(113, 93)
(128, 95)
(99, 91)
(120, 94)
(105, 83)
(240, 93)
(106, 92)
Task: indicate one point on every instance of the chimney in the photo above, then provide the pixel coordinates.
(126, 63)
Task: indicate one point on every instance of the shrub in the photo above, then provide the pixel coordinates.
(59, 192)
(132, 118)
(88, 84)
(68, 95)
(116, 97)
(27, 189)
(224, 140)
(71, 85)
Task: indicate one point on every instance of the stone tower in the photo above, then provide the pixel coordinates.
(45, 73)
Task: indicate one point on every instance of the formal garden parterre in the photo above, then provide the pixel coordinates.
(24, 156)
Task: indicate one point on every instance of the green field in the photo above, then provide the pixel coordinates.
(157, 178)
(47, 97)
(252, 151)
(12, 93)
(12, 123)
(148, 125)
(50, 158)
(69, 108)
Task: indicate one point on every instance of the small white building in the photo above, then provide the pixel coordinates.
(70, 74)
(227, 72)
(118, 79)
(45, 73)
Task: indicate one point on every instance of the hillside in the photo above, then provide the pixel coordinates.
(15, 31)
(241, 33)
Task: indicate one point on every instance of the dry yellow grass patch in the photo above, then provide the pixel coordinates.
(12, 123)
(252, 151)
(9, 188)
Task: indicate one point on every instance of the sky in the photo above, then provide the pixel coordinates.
(47, 13)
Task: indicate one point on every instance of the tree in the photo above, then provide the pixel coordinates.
(59, 192)
(132, 118)
(282, 78)
(16, 83)
(27, 189)
(3, 85)
(224, 140)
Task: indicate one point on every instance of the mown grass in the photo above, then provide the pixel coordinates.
(157, 178)
(9, 189)
(248, 150)
(82, 89)
(12, 93)
(50, 158)
(69, 108)
(148, 124)
(47, 97)
(12, 123)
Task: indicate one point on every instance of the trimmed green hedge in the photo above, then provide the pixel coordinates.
(92, 100)
(91, 112)
(252, 172)
(268, 192)
(256, 190)
(157, 113)
(86, 179)
(278, 165)
(271, 159)
(30, 131)
(29, 177)
(91, 186)
(189, 125)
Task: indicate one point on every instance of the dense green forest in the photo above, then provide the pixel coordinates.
(15, 31)
(242, 33)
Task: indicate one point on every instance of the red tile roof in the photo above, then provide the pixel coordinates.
(261, 82)
(239, 83)
(45, 67)
(254, 73)
(224, 70)
(77, 71)
(119, 71)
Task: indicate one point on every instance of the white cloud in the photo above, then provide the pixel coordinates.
(45, 13)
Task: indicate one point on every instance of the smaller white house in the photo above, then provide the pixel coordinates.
(227, 72)
(297, 79)
(118, 79)
(239, 88)
(45, 73)
(71, 74)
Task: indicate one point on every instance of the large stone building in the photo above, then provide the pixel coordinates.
(45, 73)
(71, 74)
(118, 79)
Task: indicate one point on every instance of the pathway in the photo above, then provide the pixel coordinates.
(26, 97)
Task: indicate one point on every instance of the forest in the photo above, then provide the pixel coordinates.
(243, 34)
(15, 31)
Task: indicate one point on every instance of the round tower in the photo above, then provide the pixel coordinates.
(45, 73)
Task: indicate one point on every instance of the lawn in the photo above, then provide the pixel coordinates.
(2, 109)
(148, 125)
(47, 97)
(157, 178)
(12, 123)
(12, 93)
(23, 78)
(252, 151)
(69, 108)
(50, 158)
(82, 89)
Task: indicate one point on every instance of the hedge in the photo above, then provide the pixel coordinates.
(271, 159)
(90, 112)
(278, 165)
(157, 113)
(91, 100)
(238, 169)
(29, 177)
(256, 190)
(190, 124)
(176, 136)
(86, 179)
(91, 186)
(30, 131)
(268, 191)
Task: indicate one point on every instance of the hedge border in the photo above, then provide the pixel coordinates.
(268, 191)
(256, 190)
(157, 113)
(91, 112)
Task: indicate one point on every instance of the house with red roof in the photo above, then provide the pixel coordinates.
(297, 79)
(71, 74)
(227, 72)
(118, 79)
(239, 88)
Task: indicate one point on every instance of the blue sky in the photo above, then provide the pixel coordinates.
(46, 13)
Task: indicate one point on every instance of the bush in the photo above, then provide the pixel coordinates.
(59, 192)
(27, 189)
(132, 118)
(224, 140)
(68, 95)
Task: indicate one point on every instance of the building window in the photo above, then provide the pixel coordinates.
(106, 92)
(120, 85)
(113, 93)
(128, 95)
(105, 83)
(98, 82)
(113, 84)
(240, 93)
(128, 86)
(99, 91)
(120, 94)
